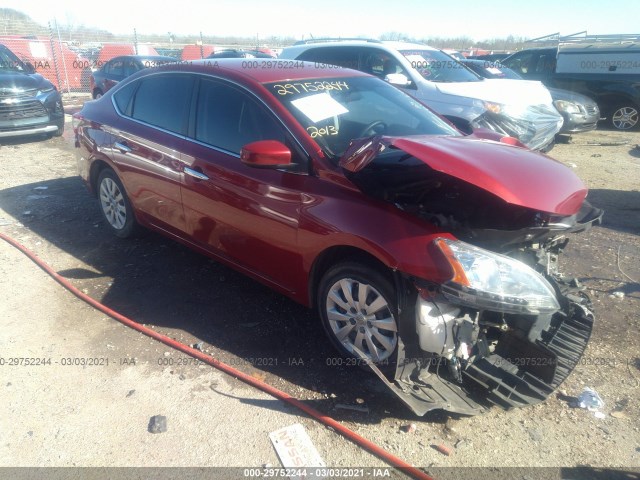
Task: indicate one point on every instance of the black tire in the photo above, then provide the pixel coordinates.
(60, 131)
(378, 325)
(115, 205)
(97, 93)
(624, 116)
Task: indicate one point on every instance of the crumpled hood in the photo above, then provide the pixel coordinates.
(516, 175)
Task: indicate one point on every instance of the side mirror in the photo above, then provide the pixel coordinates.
(399, 79)
(266, 154)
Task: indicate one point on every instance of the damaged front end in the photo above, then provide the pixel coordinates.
(507, 328)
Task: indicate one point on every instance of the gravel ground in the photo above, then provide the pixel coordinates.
(62, 416)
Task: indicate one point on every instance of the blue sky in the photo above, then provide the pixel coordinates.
(477, 19)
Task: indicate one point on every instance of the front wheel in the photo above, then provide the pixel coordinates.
(624, 116)
(357, 306)
(115, 205)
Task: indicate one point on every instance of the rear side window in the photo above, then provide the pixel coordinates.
(115, 67)
(163, 101)
(346, 57)
(123, 98)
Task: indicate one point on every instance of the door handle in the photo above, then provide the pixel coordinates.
(197, 174)
(123, 147)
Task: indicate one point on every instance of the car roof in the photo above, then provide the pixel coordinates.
(396, 45)
(289, 70)
(145, 57)
(537, 49)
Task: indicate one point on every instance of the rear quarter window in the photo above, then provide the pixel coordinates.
(163, 101)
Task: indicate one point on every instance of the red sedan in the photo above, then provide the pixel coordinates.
(430, 256)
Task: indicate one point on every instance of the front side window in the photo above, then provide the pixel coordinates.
(228, 118)
(380, 63)
(546, 63)
(520, 63)
(131, 67)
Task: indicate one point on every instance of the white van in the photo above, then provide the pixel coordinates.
(512, 107)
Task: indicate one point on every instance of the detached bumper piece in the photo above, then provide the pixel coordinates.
(423, 391)
(519, 373)
(530, 377)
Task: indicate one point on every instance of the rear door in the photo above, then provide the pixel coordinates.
(148, 145)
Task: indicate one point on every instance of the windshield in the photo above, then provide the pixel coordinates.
(8, 61)
(437, 66)
(335, 111)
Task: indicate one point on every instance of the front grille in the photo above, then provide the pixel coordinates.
(10, 112)
(17, 95)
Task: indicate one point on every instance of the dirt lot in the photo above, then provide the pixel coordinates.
(61, 416)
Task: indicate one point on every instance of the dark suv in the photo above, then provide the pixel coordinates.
(617, 91)
(29, 103)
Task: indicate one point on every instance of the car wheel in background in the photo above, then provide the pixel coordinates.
(624, 116)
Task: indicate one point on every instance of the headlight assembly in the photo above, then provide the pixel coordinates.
(568, 107)
(486, 280)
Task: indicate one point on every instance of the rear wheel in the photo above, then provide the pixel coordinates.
(357, 306)
(624, 116)
(115, 205)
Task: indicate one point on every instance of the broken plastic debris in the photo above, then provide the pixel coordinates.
(618, 294)
(590, 400)
(599, 415)
(158, 424)
(410, 428)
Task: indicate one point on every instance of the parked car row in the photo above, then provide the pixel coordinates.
(430, 254)
(509, 107)
(608, 74)
(580, 113)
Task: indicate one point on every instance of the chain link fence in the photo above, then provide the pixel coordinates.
(67, 57)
